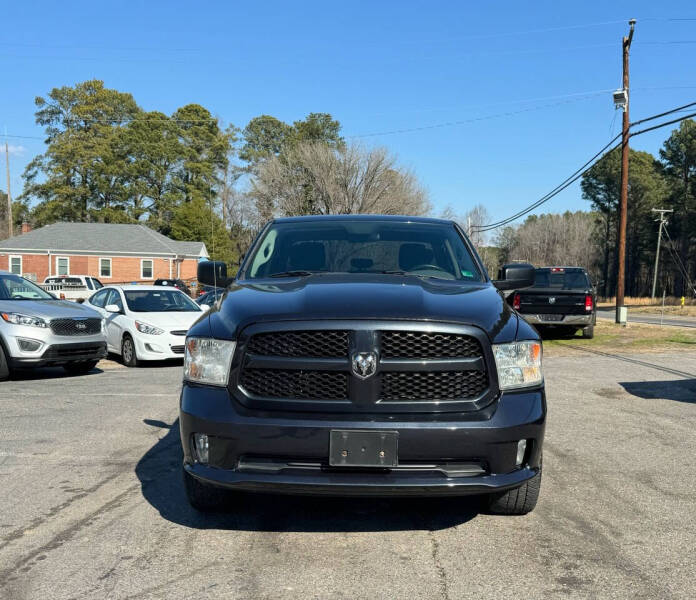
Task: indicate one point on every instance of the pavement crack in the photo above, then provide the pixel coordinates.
(439, 569)
(26, 562)
(53, 511)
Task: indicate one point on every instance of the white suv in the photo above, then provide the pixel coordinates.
(37, 329)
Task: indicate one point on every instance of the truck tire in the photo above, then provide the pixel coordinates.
(588, 332)
(4, 366)
(128, 353)
(79, 368)
(518, 501)
(205, 498)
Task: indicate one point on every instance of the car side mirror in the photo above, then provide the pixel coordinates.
(112, 308)
(212, 272)
(515, 276)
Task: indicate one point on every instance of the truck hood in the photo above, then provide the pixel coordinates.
(354, 297)
(48, 309)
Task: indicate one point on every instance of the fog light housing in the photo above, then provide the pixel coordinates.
(28, 345)
(200, 442)
(521, 449)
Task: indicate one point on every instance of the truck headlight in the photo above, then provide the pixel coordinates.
(19, 319)
(518, 364)
(149, 329)
(207, 360)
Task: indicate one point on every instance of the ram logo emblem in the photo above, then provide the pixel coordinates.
(364, 364)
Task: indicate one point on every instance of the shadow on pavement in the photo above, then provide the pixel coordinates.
(159, 472)
(679, 390)
(49, 373)
(149, 364)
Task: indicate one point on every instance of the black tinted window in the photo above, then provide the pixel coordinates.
(363, 246)
(562, 279)
(166, 300)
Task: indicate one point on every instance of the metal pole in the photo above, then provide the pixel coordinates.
(620, 283)
(663, 221)
(9, 195)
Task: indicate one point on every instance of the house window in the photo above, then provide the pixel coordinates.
(105, 267)
(62, 265)
(16, 265)
(145, 269)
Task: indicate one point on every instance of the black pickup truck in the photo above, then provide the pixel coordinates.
(363, 355)
(562, 299)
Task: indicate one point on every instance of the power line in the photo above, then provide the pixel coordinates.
(581, 171)
(476, 119)
(677, 259)
(668, 112)
(559, 188)
(665, 124)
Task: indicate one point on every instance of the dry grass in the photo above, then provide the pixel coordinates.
(635, 338)
(672, 305)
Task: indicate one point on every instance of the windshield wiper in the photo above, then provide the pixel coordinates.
(298, 273)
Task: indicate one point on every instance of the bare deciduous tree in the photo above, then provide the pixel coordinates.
(555, 239)
(314, 178)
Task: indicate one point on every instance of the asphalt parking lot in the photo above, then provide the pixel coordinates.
(93, 506)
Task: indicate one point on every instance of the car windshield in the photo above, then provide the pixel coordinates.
(159, 301)
(362, 246)
(13, 287)
(561, 279)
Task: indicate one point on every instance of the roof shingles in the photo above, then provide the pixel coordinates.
(102, 238)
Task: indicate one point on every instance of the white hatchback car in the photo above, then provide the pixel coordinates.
(145, 322)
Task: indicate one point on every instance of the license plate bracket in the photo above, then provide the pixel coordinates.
(360, 448)
(552, 318)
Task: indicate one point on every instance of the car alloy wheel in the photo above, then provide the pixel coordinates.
(128, 352)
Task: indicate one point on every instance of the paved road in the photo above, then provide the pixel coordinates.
(650, 318)
(93, 507)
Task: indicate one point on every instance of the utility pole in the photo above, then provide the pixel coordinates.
(663, 222)
(621, 279)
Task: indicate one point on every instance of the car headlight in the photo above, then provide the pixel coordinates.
(149, 329)
(207, 360)
(19, 319)
(518, 364)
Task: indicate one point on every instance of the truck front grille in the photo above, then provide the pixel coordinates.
(301, 385)
(425, 367)
(89, 326)
(319, 344)
(425, 344)
(419, 386)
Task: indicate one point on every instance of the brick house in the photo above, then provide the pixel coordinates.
(113, 253)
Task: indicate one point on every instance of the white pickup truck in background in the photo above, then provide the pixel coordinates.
(71, 287)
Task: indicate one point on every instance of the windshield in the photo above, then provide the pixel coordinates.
(160, 301)
(332, 246)
(13, 287)
(561, 279)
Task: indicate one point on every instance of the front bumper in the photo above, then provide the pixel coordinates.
(159, 347)
(575, 320)
(239, 436)
(61, 354)
(53, 349)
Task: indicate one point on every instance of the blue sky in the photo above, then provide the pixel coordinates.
(377, 67)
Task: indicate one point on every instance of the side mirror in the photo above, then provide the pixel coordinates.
(212, 272)
(112, 308)
(515, 276)
(204, 307)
